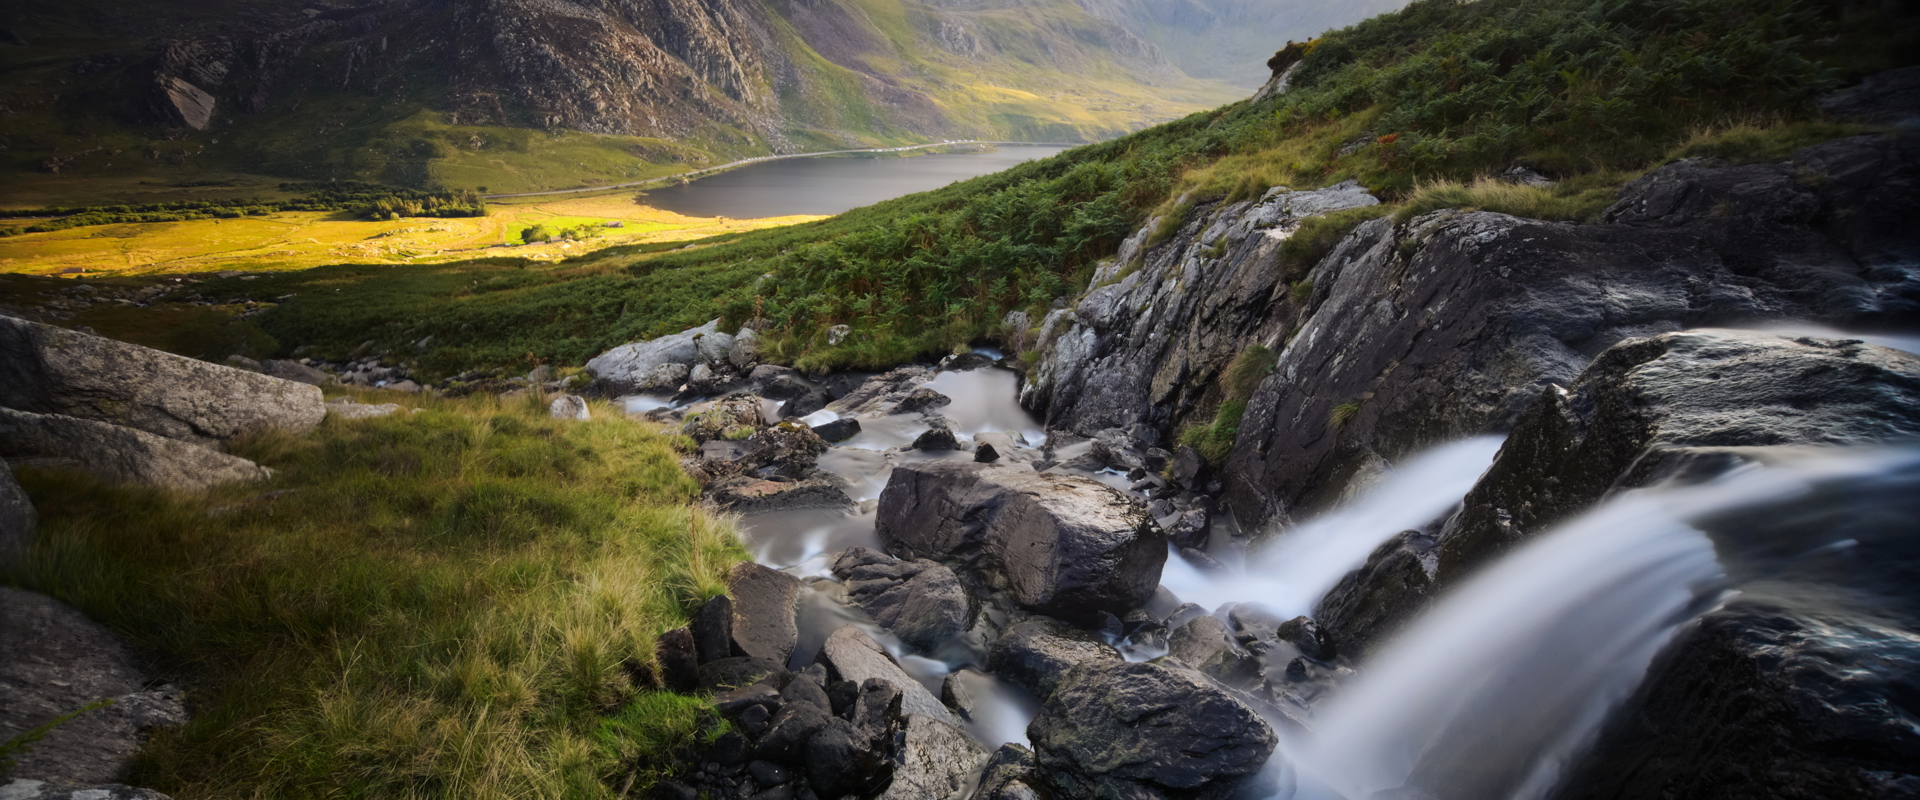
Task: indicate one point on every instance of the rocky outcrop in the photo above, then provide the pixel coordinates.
(1061, 545)
(1147, 731)
(763, 611)
(50, 370)
(57, 661)
(184, 104)
(121, 455)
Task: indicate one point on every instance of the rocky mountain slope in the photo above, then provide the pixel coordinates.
(1231, 40)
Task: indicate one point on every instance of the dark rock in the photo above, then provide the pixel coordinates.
(935, 760)
(712, 628)
(1306, 636)
(1192, 531)
(1199, 641)
(1063, 545)
(953, 693)
(768, 774)
(786, 738)
(920, 601)
(783, 386)
(674, 790)
(752, 495)
(840, 761)
(1011, 765)
(55, 371)
(764, 603)
(985, 454)
(55, 661)
(120, 454)
(920, 400)
(811, 401)
(755, 720)
(736, 671)
(807, 687)
(879, 395)
(679, 659)
(1371, 603)
(19, 522)
(842, 695)
(877, 711)
(737, 701)
(1036, 653)
(938, 437)
(855, 656)
(838, 430)
(294, 371)
(1887, 98)
(1146, 730)
(730, 750)
(1201, 561)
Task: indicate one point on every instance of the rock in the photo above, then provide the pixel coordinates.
(350, 409)
(404, 386)
(238, 361)
(954, 694)
(921, 601)
(781, 383)
(937, 438)
(806, 403)
(767, 773)
(19, 522)
(50, 370)
(653, 365)
(1009, 767)
(837, 334)
(122, 455)
(679, 659)
(937, 761)
(985, 454)
(736, 671)
(1146, 730)
(1199, 641)
(57, 661)
(733, 418)
(1189, 468)
(184, 104)
(735, 702)
(1192, 531)
(745, 352)
(1063, 545)
(1886, 98)
(712, 628)
(1037, 652)
(786, 738)
(25, 789)
(920, 400)
(880, 395)
(746, 495)
(840, 761)
(713, 348)
(1370, 604)
(764, 602)
(294, 371)
(855, 656)
(838, 430)
(1307, 637)
(569, 406)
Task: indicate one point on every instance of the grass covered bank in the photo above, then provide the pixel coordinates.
(450, 603)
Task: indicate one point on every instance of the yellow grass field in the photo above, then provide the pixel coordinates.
(297, 240)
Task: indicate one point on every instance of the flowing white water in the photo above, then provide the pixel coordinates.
(1497, 688)
(1291, 574)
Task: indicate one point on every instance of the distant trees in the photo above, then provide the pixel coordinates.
(536, 234)
(364, 200)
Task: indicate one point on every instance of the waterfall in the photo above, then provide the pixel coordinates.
(1493, 691)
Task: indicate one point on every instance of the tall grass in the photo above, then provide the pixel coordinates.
(449, 603)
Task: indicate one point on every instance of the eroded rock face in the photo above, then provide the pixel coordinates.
(121, 455)
(1061, 545)
(1143, 730)
(936, 761)
(56, 661)
(49, 370)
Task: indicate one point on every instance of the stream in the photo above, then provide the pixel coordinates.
(1492, 692)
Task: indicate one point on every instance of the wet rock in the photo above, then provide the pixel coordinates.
(653, 365)
(1189, 468)
(920, 601)
(1199, 641)
(880, 395)
(805, 403)
(736, 671)
(1037, 652)
(55, 371)
(1307, 637)
(965, 362)
(731, 418)
(679, 659)
(1201, 561)
(1063, 545)
(569, 406)
(707, 380)
(985, 454)
(786, 738)
(920, 400)
(936, 761)
(1146, 730)
(712, 628)
(1192, 530)
(1370, 604)
(19, 522)
(1005, 447)
(769, 774)
(56, 661)
(1007, 774)
(122, 455)
(938, 437)
(855, 656)
(840, 761)
(954, 694)
(764, 603)
(838, 430)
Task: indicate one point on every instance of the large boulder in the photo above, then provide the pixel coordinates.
(1060, 545)
(121, 455)
(654, 364)
(1142, 730)
(50, 370)
(855, 656)
(57, 661)
(936, 761)
(920, 601)
(1036, 653)
(19, 523)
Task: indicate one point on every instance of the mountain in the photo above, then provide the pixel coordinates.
(1231, 40)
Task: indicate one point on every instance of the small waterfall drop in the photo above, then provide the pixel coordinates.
(1497, 688)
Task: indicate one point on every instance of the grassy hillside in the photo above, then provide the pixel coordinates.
(459, 602)
(1417, 105)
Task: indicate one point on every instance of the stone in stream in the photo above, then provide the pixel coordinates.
(1142, 730)
(121, 454)
(920, 601)
(855, 656)
(936, 761)
(921, 399)
(50, 370)
(880, 395)
(764, 602)
(1060, 545)
(747, 495)
(1035, 653)
(838, 430)
(937, 437)
(732, 418)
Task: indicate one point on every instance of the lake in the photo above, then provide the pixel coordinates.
(832, 184)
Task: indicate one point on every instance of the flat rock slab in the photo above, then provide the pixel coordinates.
(937, 762)
(122, 455)
(764, 607)
(56, 661)
(855, 656)
(52, 370)
(1036, 653)
(1140, 730)
(1062, 545)
(353, 410)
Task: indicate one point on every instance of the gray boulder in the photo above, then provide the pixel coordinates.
(1141, 730)
(19, 522)
(936, 761)
(733, 418)
(855, 656)
(569, 406)
(764, 602)
(1037, 652)
(745, 352)
(749, 495)
(881, 395)
(25, 789)
(122, 455)
(1060, 545)
(50, 370)
(920, 601)
(651, 365)
(57, 661)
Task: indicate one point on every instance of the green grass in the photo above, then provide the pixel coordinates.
(451, 603)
